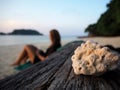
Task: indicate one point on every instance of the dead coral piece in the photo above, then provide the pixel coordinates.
(92, 59)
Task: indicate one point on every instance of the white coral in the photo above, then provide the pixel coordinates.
(92, 59)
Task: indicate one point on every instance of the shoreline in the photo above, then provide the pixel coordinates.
(79, 37)
(114, 41)
(8, 54)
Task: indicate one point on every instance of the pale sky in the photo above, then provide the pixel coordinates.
(70, 17)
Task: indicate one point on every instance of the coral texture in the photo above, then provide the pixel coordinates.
(93, 59)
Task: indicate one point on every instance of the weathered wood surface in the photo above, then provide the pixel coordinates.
(56, 73)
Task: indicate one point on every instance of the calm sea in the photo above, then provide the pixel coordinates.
(17, 40)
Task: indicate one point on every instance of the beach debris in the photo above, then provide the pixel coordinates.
(93, 59)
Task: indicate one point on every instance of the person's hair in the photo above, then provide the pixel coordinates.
(55, 37)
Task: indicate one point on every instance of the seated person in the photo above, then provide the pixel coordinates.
(35, 55)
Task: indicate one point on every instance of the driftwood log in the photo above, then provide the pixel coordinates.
(56, 73)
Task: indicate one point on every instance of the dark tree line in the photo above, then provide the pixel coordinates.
(25, 32)
(109, 22)
(22, 32)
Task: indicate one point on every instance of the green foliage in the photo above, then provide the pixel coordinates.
(25, 32)
(109, 22)
(22, 32)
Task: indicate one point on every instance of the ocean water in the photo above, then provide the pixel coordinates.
(18, 40)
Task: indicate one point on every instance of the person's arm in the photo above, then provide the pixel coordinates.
(42, 58)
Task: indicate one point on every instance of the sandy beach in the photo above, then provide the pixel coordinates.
(8, 54)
